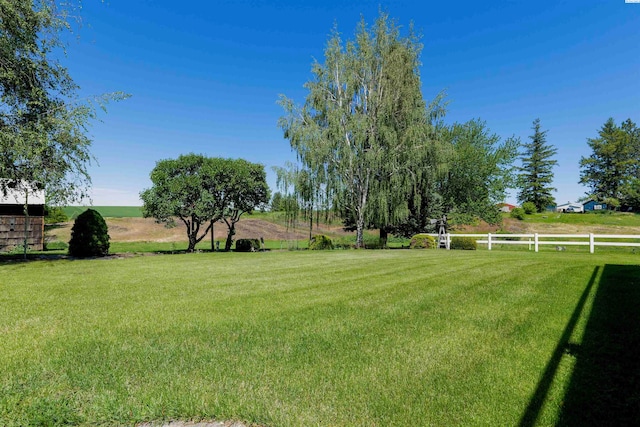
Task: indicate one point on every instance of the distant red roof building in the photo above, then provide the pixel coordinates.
(506, 207)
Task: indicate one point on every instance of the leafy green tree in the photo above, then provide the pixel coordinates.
(479, 171)
(536, 172)
(631, 191)
(43, 124)
(631, 186)
(54, 214)
(245, 189)
(192, 188)
(362, 118)
(276, 202)
(613, 167)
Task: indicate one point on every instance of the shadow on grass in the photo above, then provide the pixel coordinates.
(604, 388)
(605, 384)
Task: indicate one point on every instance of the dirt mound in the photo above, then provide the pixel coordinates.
(148, 230)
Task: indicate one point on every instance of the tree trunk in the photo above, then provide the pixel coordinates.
(360, 231)
(360, 214)
(192, 242)
(212, 238)
(383, 237)
(359, 238)
(229, 242)
(26, 222)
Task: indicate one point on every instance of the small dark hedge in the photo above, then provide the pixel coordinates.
(422, 241)
(89, 235)
(320, 242)
(247, 245)
(466, 243)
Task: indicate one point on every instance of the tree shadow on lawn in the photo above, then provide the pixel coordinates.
(604, 388)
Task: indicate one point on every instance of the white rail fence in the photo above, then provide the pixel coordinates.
(535, 240)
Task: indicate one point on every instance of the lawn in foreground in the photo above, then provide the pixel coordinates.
(321, 338)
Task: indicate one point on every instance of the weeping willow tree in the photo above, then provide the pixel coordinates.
(304, 195)
(426, 168)
(362, 122)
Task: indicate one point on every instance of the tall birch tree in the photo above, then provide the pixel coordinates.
(362, 119)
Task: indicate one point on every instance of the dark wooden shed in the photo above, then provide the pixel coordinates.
(13, 218)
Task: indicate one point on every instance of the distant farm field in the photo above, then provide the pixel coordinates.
(337, 338)
(106, 211)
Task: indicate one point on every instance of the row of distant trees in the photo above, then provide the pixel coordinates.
(373, 150)
(611, 172)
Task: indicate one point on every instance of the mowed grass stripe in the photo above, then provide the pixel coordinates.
(330, 338)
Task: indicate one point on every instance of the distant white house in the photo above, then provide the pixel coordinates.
(570, 207)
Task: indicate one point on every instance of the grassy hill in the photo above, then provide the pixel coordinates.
(590, 218)
(106, 211)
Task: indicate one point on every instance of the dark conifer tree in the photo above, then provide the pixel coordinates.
(536, 172)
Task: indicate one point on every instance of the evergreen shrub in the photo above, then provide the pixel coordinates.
(247, 245)
(320, 242)
(422, 241)
(529, 208)
(89, 235)
(465, 243)
(517, 213)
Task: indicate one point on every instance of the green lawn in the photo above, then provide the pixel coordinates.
(338, 338)
(106, 211)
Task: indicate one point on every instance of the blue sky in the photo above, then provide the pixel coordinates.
(205, 75)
